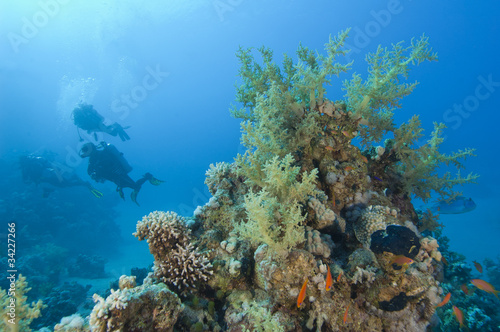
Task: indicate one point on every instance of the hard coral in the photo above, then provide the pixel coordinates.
(143, 308)
(177, 261)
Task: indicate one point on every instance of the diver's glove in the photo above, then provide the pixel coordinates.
(95, 192)
(154, 181)
(133, 196)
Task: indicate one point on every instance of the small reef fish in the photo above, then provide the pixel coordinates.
(329, 148)
(459, 204)
(345, 313)
(340, 276)
(486, 286)
(329, 280)
(459, 315)
(445, 300)
(401, 260)
(302, 294)
(377, 178)
(364, 159)
(444, 260)
(348, 168)
(478, 266)
(465, 289)
(346, 133)
(333, 200)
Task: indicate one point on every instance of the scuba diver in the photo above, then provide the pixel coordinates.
(39, 170)
(87, 118)
(107, 163)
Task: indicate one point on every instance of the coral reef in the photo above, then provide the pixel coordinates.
(149, 307)
(177, 261)
(303, 201)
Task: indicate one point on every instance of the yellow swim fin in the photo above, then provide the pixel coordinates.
(155, 182)
(96, 192)
(133, 197)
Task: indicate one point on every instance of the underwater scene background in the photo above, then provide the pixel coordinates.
(292, 195)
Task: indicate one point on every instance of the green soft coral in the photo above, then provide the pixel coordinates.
(274, 213)
(375, 99)
(280, 114)
(24, 312)
(420, 165)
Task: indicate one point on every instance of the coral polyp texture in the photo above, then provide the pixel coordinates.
(316, 192)
(177, 261)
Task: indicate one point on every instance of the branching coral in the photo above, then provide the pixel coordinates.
(274, 214)
(177, 261)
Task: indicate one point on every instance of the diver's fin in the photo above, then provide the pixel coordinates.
(120, 192)
(133, 197)
(154, 181)
(96, 192)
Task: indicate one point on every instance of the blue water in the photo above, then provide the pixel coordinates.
(168, 69)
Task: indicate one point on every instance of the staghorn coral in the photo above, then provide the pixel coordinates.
(16, 313)
(177, 261)
(144, 308)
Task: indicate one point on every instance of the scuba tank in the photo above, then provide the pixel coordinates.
(118, 156)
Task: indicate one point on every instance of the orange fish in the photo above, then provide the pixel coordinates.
(333, 200)
(478, 266)
(346, 133)
(465, 289)
(329, 148)
(348, 168)
(329, 280)
(459, 315)
(364, 159)
(302, 294)
(340, 276)
(401, 260)
(345, 313)
(445, 300)
(486, 286)
(443, 259)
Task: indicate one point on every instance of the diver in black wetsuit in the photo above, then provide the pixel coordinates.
(107, 163)
(87, 118)
(39, 170)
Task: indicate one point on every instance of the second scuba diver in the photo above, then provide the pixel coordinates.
(107, 163)
(87, 118)
(39, 170)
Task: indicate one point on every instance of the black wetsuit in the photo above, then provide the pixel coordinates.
(109, 164)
